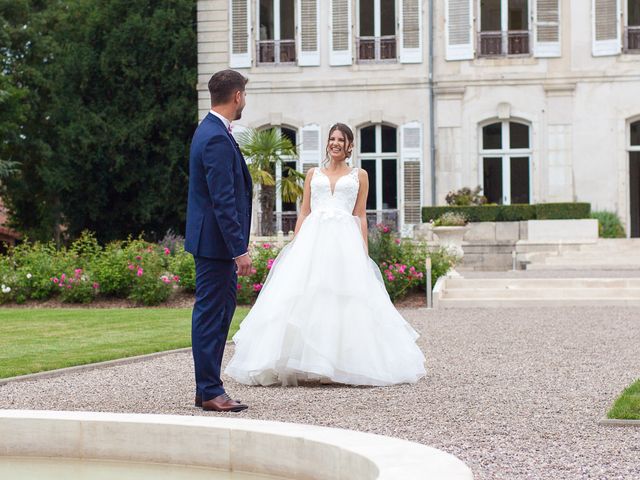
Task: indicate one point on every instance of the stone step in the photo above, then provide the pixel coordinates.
(524, 283)
(543, 294)
(591, 259)
(526, 302)
(578, 266)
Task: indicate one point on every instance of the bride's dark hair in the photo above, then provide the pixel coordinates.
(348, 135)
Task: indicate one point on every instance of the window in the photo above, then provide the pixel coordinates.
(505, 156)
(632, 29)
(377, 31)
(379, 157)
(276, 20)
(504, 27)
(634, 178)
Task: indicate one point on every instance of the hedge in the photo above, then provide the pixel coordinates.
(512, 213)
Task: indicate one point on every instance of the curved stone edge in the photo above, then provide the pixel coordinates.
(281, 449)
(618, 422)
(91, 366)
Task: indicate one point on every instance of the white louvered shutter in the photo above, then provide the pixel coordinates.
(340, 33)
(547, 28)
(411, 156)
(308, 33)
(459, 29)
(410, 31)
(310, 148)
(606, 27)
(239, 34)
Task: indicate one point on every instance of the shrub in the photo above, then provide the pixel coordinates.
(181, 264)
(152, 283)
(511, 213)
(609, 224)
(109, 269)
(562, 211)
(450, 219)
(76, 287)
(465, 197)
(262, 257)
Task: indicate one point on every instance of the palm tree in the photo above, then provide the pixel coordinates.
(265, 149)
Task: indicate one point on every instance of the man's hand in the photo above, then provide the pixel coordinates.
(243, 265)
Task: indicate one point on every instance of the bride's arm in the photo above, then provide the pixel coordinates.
(360, 210)
(305, 208)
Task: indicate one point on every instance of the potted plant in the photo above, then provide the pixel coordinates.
(449, 229)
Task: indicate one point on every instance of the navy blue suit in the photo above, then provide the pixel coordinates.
(218, 226)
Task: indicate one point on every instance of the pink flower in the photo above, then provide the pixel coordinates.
(266, 246)
(78, 271)
(131, 266)
(55, 280)
(397, 241)
(138, 257)
(167, 251)
(140, 272)
(63, 277)
(165, 279)
(253, 270)
(270, 263)
(239, 287)
(420, 275)
(390, 277)
(68, 286)
(402, 268)
(95, 285)
(176, 278)
(257, 287)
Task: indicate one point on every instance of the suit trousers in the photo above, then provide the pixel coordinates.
(215, 304)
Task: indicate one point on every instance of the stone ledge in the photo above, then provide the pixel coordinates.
(618, 422)
(281, 449)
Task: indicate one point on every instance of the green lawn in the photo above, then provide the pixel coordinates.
(35, 340)
(627, 406)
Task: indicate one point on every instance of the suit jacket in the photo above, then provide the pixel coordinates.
(220, 192)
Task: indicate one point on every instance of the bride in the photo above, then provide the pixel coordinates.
(323, 313)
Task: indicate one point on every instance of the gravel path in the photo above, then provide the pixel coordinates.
(516, 394)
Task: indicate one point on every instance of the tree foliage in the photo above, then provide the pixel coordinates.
(110, 89)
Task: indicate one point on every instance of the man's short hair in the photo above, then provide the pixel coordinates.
(224, 84)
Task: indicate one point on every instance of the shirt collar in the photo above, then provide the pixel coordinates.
(225, 121)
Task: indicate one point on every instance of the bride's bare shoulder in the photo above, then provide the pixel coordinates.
(362, 174)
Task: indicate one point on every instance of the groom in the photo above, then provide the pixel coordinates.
(217, 234)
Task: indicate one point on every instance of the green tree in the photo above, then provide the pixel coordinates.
(265, 149)
(114, 105)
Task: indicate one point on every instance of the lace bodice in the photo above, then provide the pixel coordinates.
(342, 198)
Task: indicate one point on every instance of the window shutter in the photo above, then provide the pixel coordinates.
(410, 31)
(547, 28)
(310, 148)
(411, 156)
(606, 27)
(340, 34)
(308, 33)
(239, 36)
(459, 29)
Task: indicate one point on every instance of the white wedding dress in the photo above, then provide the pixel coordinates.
(323, 313)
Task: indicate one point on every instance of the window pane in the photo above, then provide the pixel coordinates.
(389, 184)
(518, 11)
(288, 206)
(634, 193)
(370, 167)
(387, 17)
(287, 20)
(389, 139)
(368, 140)
(366, 18)
(266, 20)
(635, 134)
(518, 135)
(492, 137)
(490, 20)
(290, 134)
(519, 180)
(492, 176)
(634, 13)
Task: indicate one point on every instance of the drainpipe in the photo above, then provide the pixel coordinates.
(432, 106)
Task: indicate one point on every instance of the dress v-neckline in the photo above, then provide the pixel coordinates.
(333, 190)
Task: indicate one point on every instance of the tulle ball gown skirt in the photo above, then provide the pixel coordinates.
(324, 314)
